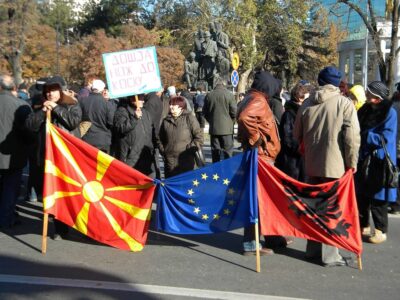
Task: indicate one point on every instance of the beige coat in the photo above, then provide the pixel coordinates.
(327, 128)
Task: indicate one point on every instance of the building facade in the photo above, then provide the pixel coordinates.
(357, 55)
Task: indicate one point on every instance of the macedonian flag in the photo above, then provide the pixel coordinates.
(94, 193)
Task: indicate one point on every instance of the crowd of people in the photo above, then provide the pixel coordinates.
(314, 136)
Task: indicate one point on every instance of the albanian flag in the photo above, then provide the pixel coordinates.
(325, 213)
(94, 193)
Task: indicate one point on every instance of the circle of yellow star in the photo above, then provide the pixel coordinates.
(191, 201)
(93, 191)
(231, 191)
(196, 210)
(196, 182)
(204, 176)
(226, 181)
(190, 192)
(227, 211)
(215, 176)
(204, 217)
(216, 217)
(231, 202)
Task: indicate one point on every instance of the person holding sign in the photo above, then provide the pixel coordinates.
(135, 135)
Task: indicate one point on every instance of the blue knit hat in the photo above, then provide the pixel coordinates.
(329, 75)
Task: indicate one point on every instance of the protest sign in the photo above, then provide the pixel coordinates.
(132, 72)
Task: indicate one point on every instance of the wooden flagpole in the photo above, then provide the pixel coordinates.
(359, 262)
(45, 215)
(137, 101)
(258, 265)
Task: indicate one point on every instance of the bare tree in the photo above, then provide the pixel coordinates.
(386, 67)
(13, 30)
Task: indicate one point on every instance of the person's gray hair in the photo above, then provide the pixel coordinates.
(7, 83)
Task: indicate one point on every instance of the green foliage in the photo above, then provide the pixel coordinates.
(109, 15)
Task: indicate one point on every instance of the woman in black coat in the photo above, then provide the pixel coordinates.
(289, 159)
(65, 114)
(135, 135)
(179, 138)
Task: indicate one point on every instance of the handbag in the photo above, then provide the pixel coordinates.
(390, 170)
(198, 153)
(377, 173)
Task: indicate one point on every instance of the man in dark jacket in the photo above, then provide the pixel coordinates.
(100, 113)
(153, 104)
(220, 112)
(13, 149)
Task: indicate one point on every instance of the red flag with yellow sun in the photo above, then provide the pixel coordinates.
(94, 193)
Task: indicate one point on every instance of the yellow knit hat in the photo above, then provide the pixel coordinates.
(359, 93)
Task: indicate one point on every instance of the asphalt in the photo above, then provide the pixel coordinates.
(183, 267)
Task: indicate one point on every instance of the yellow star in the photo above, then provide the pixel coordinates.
(216, 217)
(227, 211)
(191, 201)
(215, 176)
(196, 210)
(204, 217)
(196, 182)
(231, 202)
(231, 191)
(204, 176)
(190, 192)
(226, 181)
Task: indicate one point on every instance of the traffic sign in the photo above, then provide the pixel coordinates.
(235, 61)
(235, 78)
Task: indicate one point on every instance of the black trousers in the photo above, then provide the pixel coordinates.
(379, 212)
(221, 144)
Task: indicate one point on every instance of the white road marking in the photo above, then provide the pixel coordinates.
(135, 288)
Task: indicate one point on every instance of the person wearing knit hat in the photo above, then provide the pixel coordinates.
(378, 90)
(329, 75)
(328, 131)
(378, 121)
(357, 95)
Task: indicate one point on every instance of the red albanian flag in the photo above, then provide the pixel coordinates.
(94, 193)
(325, 213)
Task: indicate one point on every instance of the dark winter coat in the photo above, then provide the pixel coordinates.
(177, 141)
(14, 144)
(289, 159)
(277, 108)
(101, 114)
(154, 106)
(66, 115)
(134, 139)
(220, 111)
(374, 123)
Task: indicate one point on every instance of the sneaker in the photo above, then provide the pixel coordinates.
(57, 237)
(378, 237)
(263, 252)
(366, 231)
(339, 263)
(395, 212)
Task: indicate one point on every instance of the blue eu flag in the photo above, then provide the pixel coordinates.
(219, 197)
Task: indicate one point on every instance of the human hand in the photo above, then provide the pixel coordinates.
(138, 113)
(49, 105)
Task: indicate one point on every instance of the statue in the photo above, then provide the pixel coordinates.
(223, 66)
(209, 53)
(191, 71)
(213, 32)
(222, 40)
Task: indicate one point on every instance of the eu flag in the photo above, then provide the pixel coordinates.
(219, 197)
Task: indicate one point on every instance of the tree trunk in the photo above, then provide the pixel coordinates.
(392, 60)
(244, 77)
(15, 63)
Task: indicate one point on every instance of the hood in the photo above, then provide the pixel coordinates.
(266, 83)
(323, 93)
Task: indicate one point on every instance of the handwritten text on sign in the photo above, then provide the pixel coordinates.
(132, 72)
